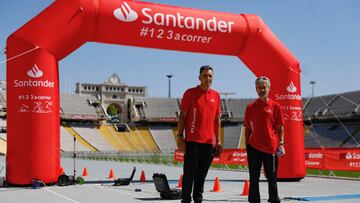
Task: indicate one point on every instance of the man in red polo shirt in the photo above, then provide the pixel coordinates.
(264, 134)
(200, 118)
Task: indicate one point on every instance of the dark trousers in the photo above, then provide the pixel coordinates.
(197, 160)
(270, 162)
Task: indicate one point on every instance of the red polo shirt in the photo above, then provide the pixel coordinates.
(263, 118)
(202, 106)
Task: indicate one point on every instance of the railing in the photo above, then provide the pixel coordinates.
(134, 157)
(326, 162)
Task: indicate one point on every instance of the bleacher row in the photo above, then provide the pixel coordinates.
(330, 121)
(344, 105)
(323, 107)
(147, 139)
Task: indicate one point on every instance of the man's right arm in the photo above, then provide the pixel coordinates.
(181, 122)
(184, 106)
(247, 125)
(247, 134)
(181, 127)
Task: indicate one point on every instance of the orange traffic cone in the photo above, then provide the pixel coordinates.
(111, 174)
(62, 171)
(245, 191)
(180, 181)
(142, 176)
(85, 172)
(217, 186)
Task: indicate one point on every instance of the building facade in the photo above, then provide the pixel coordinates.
(112, 93)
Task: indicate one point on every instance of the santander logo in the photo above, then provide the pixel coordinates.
(348, 156)
(213, 24)
(35, 72)
(291, 88)
(125, 13)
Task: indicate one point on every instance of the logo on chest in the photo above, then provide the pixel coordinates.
(268, 110)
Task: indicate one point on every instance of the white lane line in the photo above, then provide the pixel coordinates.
(116, 190)
(60, 195)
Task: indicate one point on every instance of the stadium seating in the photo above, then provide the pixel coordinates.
(329, 121)
(164, 138)
(157, 108)
(344, 105)
(232, 135)
(91, 135)
(331, 134)
(2, 100)
(2, 146)
(237, 108)
(67, 142)
(2, 129)
(120, 138)
(79, 138)
(111, 138)
(145, 134)
(74, 106)
(316, 105)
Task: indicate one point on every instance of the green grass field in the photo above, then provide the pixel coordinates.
(168, 160)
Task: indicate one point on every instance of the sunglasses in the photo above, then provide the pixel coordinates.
(262, 78)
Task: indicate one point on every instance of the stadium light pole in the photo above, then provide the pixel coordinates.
(312, 83)
(169, 76)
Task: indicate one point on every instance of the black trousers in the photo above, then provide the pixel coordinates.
(270, 162)
(197, 160)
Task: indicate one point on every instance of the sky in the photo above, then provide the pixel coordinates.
(324, 35)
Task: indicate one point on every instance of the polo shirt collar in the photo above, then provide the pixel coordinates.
(268, 102)
(202, 90)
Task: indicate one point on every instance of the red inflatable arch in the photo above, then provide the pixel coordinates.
(33, 80)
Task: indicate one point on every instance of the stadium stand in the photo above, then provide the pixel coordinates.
(3, 129)
(314, 106)
(2, 100)
(136, 137)
(120, 138)
(331, 134)
(164, 138)
(157, 109)
(237, 107)
(344, 105)
(111, 138)
(225, 113)
(311, 139)
(74, 106)
(2, 146)
(91, 135)
(232, 135)
(79, 138)
(145, 134)
(329, 121)
(67, 142)
(356, 137)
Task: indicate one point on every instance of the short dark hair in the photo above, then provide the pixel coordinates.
(206, 67)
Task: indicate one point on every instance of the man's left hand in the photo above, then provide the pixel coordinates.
(281, 151)
(218, 150)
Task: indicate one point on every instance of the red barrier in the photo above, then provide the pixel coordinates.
(228, 156)
(346, 159)
(342, 159)
(314, 158)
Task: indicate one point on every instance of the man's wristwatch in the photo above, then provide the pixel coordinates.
(282, 142)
